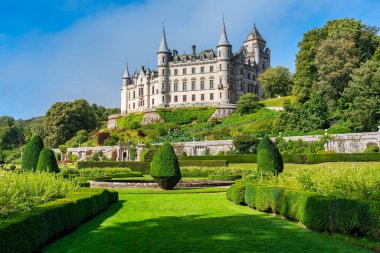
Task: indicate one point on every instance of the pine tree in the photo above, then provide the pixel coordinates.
(32, 153)
(47, 161)
(165, 167)
(269, 158)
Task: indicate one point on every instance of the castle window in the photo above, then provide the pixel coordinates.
(129, 95)
(241, 71)
(192, 70)
(163, 73)
(163, 86)
(211, 68)
(211, 96)
(129, 106)
(220, 67)
(202, 97)
(192, 85)
(184, 71)
(163, 99)
(176, 72)
(141, 79)
(184, 86)
(220, 80)
(175, 86)
(152, 90)
(249, 76)
(152, 101)
(184, 98)
(134, 106)
(211, 84)
(220, 94)
(163, 59)
(202, 69)
(175, 98)
(170, 98)
(219, 54)
(134, 95)
(263, 65)
(202, 85)
(253, 77)
(193, 97)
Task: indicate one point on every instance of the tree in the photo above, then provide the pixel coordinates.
(245, 143)
(248, 103)
(31, 153)
(269, 158)
(165, 167)
(364, 37)
(276, 82)
(64, 119)
(79, 138)
(335, 60)
(47, 161)
(363, 97)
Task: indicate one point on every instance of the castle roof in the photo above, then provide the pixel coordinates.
(163, 46)
(126, 72)
(223, 40)
(254, 34)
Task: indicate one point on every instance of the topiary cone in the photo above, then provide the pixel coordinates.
(47, 161)
(32, 153)
(269, 157)
(165, 167)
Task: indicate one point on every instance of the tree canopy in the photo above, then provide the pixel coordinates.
(276, 82)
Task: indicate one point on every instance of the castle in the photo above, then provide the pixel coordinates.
(207, 78)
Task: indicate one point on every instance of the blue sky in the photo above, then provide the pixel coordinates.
(64, 50)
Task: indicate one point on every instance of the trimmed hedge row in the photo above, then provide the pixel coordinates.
(143, 167)
(29, 232)
(236, 194)
(299, 159)
(317, 212)
(204, 163)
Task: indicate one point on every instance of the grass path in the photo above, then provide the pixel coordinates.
(144, 221)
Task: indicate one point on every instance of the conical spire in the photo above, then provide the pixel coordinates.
(223, 41)
(126, 73)
(163, 46)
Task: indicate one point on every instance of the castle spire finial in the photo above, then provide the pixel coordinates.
(223, 41)
(163, 46)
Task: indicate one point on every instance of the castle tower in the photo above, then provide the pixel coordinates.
(163, 55)
(224, 58)
(124, 93)
(256, 51)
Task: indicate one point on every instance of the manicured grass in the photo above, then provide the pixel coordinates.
(191, 222)
(277, 101)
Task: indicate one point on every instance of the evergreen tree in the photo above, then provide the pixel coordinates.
(32, 153)
(165, 167)
(269, 158)
(47, 161)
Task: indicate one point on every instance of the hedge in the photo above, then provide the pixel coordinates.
(142, 167)
(236, 194)
(204, 163)
(186, 115)
(29, 232)
(317, 212)
(299, 159)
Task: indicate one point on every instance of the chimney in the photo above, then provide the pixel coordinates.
(193, 47)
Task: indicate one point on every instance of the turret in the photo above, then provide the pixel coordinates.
(126, 77)
(256, 50)
(224, 56)
(163, 56)
(124, 90)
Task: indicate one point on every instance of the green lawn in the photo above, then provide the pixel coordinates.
(277, 101)
(144, 221)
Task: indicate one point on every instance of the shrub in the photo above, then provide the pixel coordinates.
(47, 161)
(165, 167)
(203, 163)
(315, 211)
(147, 155)
(129, 122)
(186, 115)
(236, 193)
(29, 232)
(371, 148)
(102, 136)
(108, 173)
(299, 146)
(268, 157)
(248, 103)
(236, 158)
(32, 153)
(142, 167)
(245, 143)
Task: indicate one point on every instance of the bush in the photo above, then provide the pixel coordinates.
(371, 148)
(100, 173)
(29, 232)
(165, 167)
(32, 153)
(186, 115)
(245, 143)
(203, 163)
(147, 155)
(268, 157)
(236, 158)
(248, 103)
(315, 211)
(236, 193)
(47, 161)
(142, 167)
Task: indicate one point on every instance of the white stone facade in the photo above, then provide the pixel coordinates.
(211, 77)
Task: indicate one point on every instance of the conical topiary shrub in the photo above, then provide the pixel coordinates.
(165, 167)
(47, 161)
(269, 158)
(32, 153)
